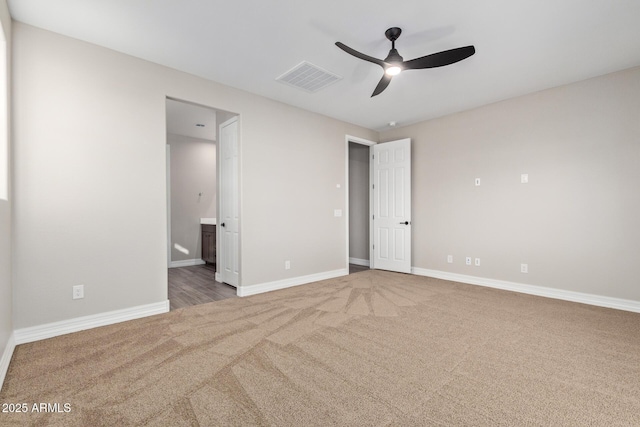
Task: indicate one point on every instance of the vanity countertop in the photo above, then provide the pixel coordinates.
(208, 221)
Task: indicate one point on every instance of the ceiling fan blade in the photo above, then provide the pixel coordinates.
(382, 85)
(357, 54)
(440, 59)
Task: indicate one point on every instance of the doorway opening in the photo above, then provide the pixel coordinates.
(358, 203)
(193, 182)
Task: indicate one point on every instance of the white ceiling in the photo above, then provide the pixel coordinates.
(521, 46)
(184, 118)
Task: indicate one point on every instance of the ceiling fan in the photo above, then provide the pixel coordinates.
(394, 64)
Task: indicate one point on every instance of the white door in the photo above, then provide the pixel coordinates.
(229, 221)
(392, 206)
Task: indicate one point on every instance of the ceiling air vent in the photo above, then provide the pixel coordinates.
(308, 77)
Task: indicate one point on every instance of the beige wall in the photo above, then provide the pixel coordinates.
(6, 297)
(193, 171)
(575, 223)
(90, 184)
(358, 201)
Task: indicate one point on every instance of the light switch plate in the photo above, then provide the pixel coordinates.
(337, 212)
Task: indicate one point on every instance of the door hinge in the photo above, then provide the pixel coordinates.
(374, 247)
(373, 217)
(373, 186)
(373, 156)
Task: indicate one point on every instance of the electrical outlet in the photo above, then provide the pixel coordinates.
(524, 268)
(450, 259)
(477, 262)
(467, 260)
(524, 178)
(78, 292)
(287, 265)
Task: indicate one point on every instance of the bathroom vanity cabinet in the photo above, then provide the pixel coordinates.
(208, 243)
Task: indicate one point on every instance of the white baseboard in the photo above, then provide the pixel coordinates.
(244, 291)
(591, 299)
(49, 330)
(186, 263)
(6, 358)
(358, 261)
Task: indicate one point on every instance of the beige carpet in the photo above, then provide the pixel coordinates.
(371, 349)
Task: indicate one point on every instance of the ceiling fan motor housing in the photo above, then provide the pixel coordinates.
(393, 57)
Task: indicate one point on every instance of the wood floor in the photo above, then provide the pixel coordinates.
(353, 268)
(196, 285)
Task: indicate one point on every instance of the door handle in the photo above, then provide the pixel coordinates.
(405, 223)
(222, 225)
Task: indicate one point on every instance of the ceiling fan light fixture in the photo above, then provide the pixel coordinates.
(393, 70)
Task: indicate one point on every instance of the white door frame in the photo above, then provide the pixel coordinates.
(362, 141)
(168, 158)
(218, 190)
